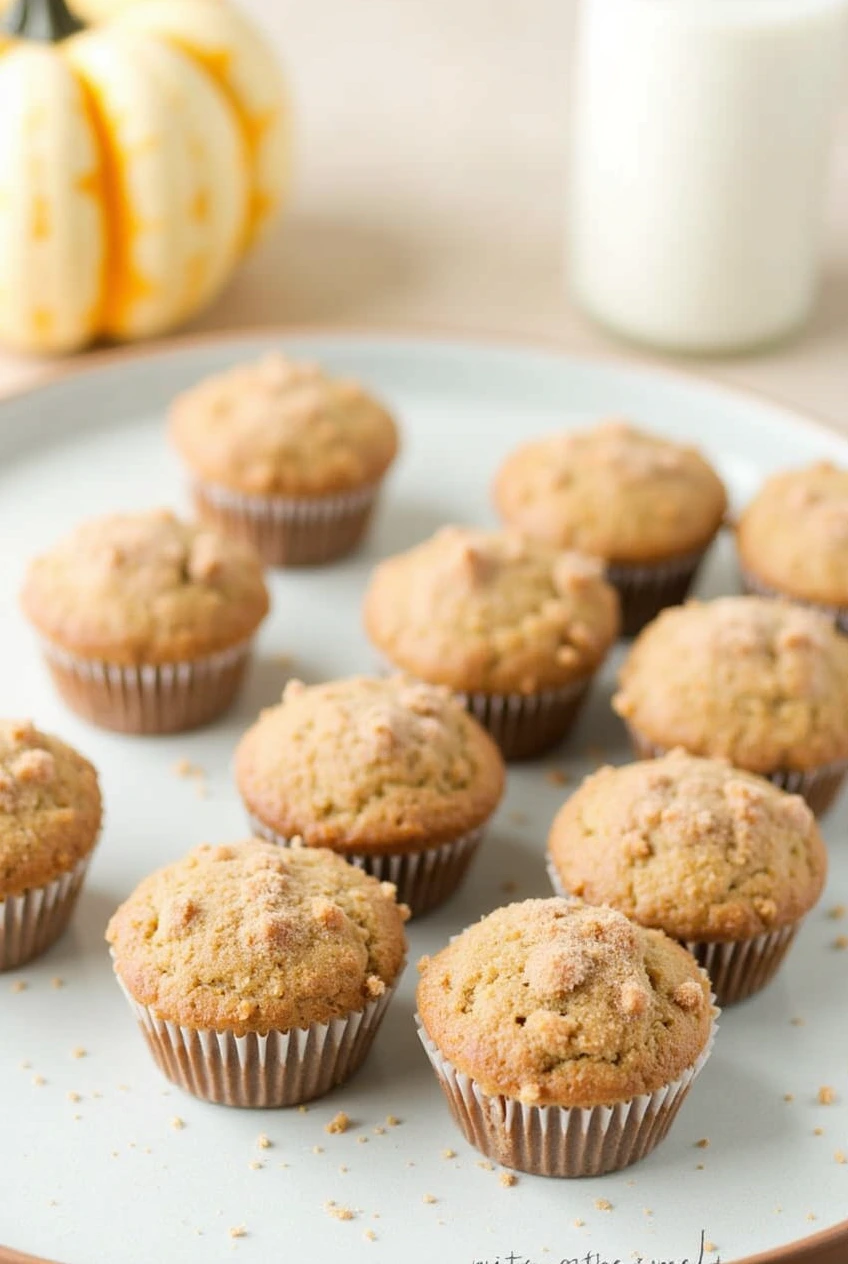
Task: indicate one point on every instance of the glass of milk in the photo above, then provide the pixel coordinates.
(702, 132)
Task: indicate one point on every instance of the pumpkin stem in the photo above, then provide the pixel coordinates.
(45, 20)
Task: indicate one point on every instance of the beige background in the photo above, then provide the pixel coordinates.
(430, 182)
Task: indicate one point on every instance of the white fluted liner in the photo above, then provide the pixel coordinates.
(737, 968)
(282, 1068)
(645, 590)
(839, 614)
(424, 878)
(527, 725)
(32, 921)
(290, 530)
(149, 698)
(555, 1140)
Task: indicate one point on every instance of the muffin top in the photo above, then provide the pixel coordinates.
(369, 765)
(50, 807)
(760, 682)
(145, 588)
(276, 427)
(612, 491)
(255, 937)
(491, 611)
(794, 534)
(692, 846)
(557, 1003)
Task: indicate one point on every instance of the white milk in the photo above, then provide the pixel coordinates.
(701, 137)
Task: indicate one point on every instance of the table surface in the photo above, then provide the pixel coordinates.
(431, 148)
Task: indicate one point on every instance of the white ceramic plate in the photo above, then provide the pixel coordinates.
(108, 1178)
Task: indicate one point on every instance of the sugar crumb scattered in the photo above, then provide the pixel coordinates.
(811, 1215)
(339, 1213)
(362, 1139)
(508, 1179)
(20, 985)
(339, 1123)
(343, 1167)
(818, 1132)
(238, 1231)
(789, 1097)
(796, 1022)
(578, 1224)
(840, 943)
(57, 982)
(369, 1235)
(303, 1110)
(177, 1123)
(703, 1144)
(316, 1149)
(73, 1097)
(429, 1198)
(837, 912)
(603, 1204)
(393, 1121)
(26, 1065)
(826, 1095)
(710, 1246)
(448, 1154)
(699, 1167)
(255, 1165)
(839, 1156)
(39, 1081)
(79, 1052)
(486, 1165)
(264, 1141)
(379, 1130)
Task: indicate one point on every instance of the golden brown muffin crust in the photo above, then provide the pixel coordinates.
(491, 611)
(281, 428)
(254, 937)
(145, 588)
(793, 536)
(369, 765)
(614, 491)
(691, 846)
(50, 807)
(557, 1003)
(760, 682)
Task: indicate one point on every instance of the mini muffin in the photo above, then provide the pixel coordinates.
(717, 858)
(146, 622)
(392, 774)
(647, 507)
(793, 539)
(258, 975)
(513, 626)
(285, 457)
(50, 814)
(761, 683)
(564, 1037)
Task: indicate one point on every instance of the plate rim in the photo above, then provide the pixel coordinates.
(824, 1247)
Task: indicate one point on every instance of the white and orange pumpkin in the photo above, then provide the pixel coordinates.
(138, 160)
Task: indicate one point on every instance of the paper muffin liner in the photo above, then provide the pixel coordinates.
(839, 614)
(739, 969)
(818, 786)
(32, 921)
(424, 878)
(645, 590)
(525, 726)
(558, 1140)
(736, 968)
(288, 530)
(160, 698)
(282, 1068)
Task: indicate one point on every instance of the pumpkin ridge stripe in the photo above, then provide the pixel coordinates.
(113, 206)
(251, 134)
